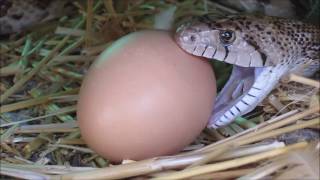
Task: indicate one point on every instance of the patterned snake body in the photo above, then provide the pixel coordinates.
(262, 49)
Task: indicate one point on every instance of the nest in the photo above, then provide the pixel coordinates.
(42, 70)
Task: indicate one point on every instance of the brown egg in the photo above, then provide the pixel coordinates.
(145, 97)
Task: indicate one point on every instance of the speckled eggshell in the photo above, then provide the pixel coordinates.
(145, 97)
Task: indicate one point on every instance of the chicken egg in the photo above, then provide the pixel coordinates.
(144, 97)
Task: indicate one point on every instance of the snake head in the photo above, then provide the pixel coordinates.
(220, 40)
(232, 40)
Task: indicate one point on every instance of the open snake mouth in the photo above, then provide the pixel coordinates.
(245, 89)
(238, 96)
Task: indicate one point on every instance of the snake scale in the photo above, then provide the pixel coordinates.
(262, 49)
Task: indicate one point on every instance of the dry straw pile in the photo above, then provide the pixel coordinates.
(42, 70)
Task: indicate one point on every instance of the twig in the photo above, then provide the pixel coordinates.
(85, 150)
(264, 171)
(304, 80)
(69, 31)
(89, 20)
(230, 164)
(23, 174)
(231, 174)
(33, 102)
(276, 103)
(277, 132)
(73, 58)
(61, 111)
(250, 150)
(9, 70)
(210, 156)
(48, 128)
(49, 169)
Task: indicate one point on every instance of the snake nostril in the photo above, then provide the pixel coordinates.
(193, 38)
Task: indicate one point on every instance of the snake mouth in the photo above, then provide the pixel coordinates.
(245, 89)
(240, 82)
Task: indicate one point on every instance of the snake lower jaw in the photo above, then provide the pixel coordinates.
(245, 89)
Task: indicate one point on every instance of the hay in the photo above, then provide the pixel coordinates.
(41, 72)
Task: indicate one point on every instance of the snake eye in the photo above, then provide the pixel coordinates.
(227, 37)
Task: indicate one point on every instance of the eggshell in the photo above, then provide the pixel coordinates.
(145, 97)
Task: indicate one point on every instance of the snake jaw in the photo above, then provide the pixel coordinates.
(228, 108)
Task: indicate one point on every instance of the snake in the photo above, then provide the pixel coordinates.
(262, 49)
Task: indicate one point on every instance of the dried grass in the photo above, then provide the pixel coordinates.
(40, 77)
